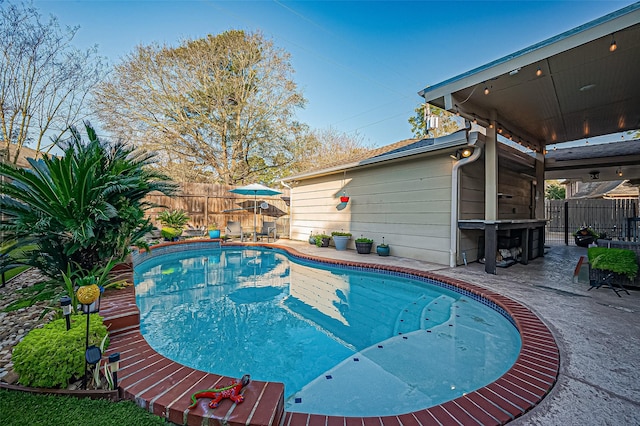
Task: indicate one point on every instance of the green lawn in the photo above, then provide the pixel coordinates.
(20, 409)
(13, 272)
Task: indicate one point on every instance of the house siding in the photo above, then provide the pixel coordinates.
(408, 203)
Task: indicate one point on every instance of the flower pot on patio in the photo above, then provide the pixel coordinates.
(363, 247)
(322, 240)
(382, 250)
(340, 241)
(214, 233)
(583, 240)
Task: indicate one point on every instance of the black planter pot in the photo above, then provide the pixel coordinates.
(363, 248)
(583, 240)
(325, 242)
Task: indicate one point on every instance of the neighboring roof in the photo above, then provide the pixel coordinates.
(611, 189)
(25, 152)
(402, 149)
(582, 90)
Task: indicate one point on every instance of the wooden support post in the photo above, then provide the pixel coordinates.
(490, 248)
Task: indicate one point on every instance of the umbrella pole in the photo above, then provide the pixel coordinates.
(255, 213)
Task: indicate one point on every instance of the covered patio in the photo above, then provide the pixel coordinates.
(577, 85)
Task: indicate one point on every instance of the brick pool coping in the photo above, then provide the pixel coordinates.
(164, 387)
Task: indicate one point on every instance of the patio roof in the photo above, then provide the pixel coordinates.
(612, 161)
(566, 88)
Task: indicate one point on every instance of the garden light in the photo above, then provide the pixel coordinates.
(65, 302)
(91, 356)
(89, 297)
(114, 366)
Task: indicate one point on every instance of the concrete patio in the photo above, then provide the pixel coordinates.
(598, 333)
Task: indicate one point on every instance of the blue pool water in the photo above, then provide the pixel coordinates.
(343, 342)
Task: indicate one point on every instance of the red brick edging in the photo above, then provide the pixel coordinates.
(164, 387)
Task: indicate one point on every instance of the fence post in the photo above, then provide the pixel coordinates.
(566, 223)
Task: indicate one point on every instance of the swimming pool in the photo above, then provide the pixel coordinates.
(344, 342)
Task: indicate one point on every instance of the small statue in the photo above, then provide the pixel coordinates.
(218, 394)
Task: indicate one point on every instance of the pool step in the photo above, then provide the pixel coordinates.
(439, 311)
(409, 317)
(423, 313)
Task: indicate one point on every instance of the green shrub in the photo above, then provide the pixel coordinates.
(319, 238)
(620, 261)
(50, 357)
(586, 231)
(79, 209)
(364, 240)
(340, 234)
(173, 218)
(170, 233)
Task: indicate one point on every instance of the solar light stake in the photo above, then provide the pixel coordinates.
(65, 302)
(114, 366)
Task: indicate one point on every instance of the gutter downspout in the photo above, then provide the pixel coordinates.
(455, 183)
(290, 199)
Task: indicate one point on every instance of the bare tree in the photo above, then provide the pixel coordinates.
(323, 148)
(44, 80)
(221, 106)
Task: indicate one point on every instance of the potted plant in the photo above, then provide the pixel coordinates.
(363, 245)
(173, 222)
(214, 231)
(616, 260)
(322, 240)
(312, 238)
(340, 239)
(585, 236)
(382, 249)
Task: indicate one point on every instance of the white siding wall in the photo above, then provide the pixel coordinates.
(408, 203)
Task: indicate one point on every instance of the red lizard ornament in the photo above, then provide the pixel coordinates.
(218, 394)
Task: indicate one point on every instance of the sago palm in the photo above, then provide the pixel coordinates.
(80, 209)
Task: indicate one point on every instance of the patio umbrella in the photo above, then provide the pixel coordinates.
(255, 189)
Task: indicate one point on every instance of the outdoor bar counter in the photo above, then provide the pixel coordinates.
(531, 232)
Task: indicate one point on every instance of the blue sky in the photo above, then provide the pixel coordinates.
(360, 64)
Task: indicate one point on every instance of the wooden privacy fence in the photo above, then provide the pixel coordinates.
(206, 204)
(615, 217)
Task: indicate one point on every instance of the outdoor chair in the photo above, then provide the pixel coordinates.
(268, 230)
(234, 229)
